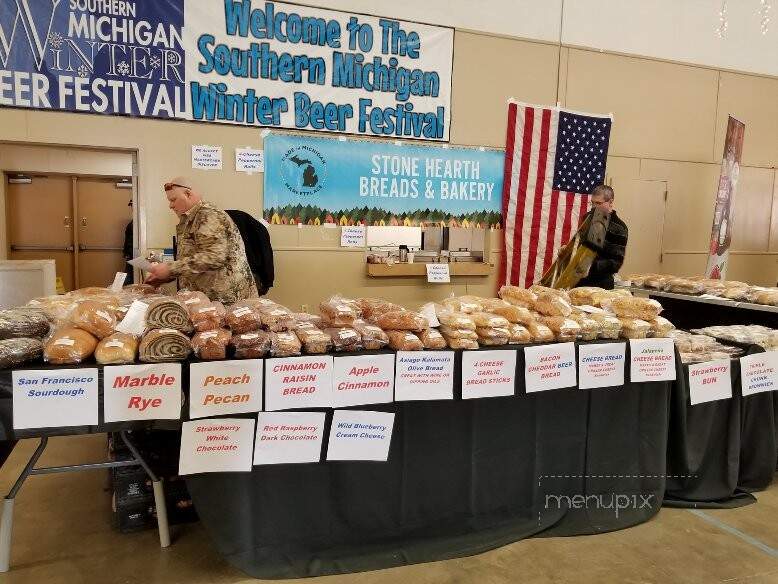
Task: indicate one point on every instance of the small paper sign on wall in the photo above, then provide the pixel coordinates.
(225, 387)
(759, 373)
(206, 157)
(360, 435)
(652, 360)
(438, 273)
(710, 381)
(601, 365)
(220, 445)
(549, 367)
(352, 236)
(289, 437)
(142, 392)
(249, 160)
(424, 375)
(55, 398)
(298, 382)
(363, 379)
(488, 373)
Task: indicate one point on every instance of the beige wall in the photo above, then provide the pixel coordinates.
(668, 132)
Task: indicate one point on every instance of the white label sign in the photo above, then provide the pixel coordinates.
(710, 381)
(652, 360)
(424, 375)
(438, 273)
(289, 437)
(134, 322)
(352, 236)
(118, 281)
(360, 435)
(225, 387)
(488, 373)
(206, 157)
(601, 365)
(222, 445)
(364, 379)
(759, 373)
(249, 160)
(549, 367)
(298, 382)
(142, 392)
(55, 398)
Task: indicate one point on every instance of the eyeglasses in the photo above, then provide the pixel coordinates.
(171, 186)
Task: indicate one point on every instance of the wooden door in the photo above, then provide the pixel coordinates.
(641, 204)
(102, 216)
(40, 224)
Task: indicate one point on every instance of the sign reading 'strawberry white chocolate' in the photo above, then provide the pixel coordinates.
(759, 373)
(652, 360)
(488, 373)
(364, 379)
(710, 381)
(225, 387)
(424, 375)
(289, 437)
(142, 392)
(601, 365)
(220, 445)
(549, 367)
(298, 382)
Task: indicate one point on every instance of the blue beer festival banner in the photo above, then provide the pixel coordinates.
(313, 180)
(255, 63)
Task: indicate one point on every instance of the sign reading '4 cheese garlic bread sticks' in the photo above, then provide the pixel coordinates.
(142, 392)
(488, 373)
(652, 360)
(225, 387)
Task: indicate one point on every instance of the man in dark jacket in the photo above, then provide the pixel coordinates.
(611, 258)
(259, 251)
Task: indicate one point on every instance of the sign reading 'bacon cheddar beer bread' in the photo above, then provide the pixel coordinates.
(142, 392)
(488, 373)
(364, 379)
(298, 382)
(549, 367)
(225, 387)
(652, 360)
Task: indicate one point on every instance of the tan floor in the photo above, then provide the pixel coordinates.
(63, 535)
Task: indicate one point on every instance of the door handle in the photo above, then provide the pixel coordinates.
(42, 248)
(66, 222)
(83, 221)
(82, 247)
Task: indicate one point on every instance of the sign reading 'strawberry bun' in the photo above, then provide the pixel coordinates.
(142, 392)
(710, 381)
(652, 360)
(298, 382)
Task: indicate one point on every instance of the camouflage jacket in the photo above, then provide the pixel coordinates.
(211, 256)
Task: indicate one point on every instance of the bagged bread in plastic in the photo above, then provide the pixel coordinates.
(540, 332)
(466, 304)
(660, 327)
(632, 307)
(211, 344)
(512, 313)
(192, 299)
(208, 316)
(277, 319)
(517, 296)
(590, 329)
(551, 304)
(117, 349)
(402, 320)
(339, 310)
(634, 328)
(56, 308)
(168, 313)
(305, 318)
(19, 350)
(139, 289)
(656, 282)
(344, 339)
(487, 320)
(538, 289)
(610, 326)
(285, 344)
(373, 337)
(493, 336)
(467, 344)
(69, 346)
(637, 280)
(27, 323)
(565, 329)
(585, 295)
(518, 334)
(489, 304)
(253, 345)
(432, 339)
(739, 294)
(94, 317)
(456, 333)
(404, 341)
(684, 286)
(457, 320)
(315, 341)
(242, 318)
(766, 296)
(371, 308)
(164, 345)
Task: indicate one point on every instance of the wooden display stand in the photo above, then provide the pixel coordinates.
(420, 269)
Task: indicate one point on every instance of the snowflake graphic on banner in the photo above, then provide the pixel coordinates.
(155, 62)
(171, 58)
(56, 40)
(83, 71)
(123, 68)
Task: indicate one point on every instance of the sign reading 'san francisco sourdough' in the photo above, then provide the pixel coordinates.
(549, 367)
(363, 379)
(298, 382)
(759, 373)
(54, 398)
(652, 360)
(225, 387)
(142, 392)
(488, 373)
(710, 381)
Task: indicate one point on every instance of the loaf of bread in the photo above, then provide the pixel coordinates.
(192, 299)
(117, 349)
(277, 319)
(457, 333)
(17, 351)
(517, 296)
(56, 308)
(167, 313)
(94, 317)
(432, 339)
(252, 345)
(371, 308)
(540, 332)
(493, 336)
(634, 328)
(208, 316)
(519, 335)
(487, 320)
(315, 341)
(585, 295)
(538, 290)
(340, 311)
(551, 304)
(610, 326)
(466, 304)
(345, 339)
(660, 327)
(511, 313)
(590, 329)
(164, 345)
(404, 341)
(373, 337)
(402, 320)
(305, 318)
(684, 286)
(69, 346)
(456, 320)
(285, 344)
(139, 289)
(243, 318)
(564, 329)
(468, 344)
(635, 308)
(211, 344)
(28, 323)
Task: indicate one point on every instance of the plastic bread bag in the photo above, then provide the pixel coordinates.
(402, 320)
(457, 320)
(28, 323)
(455, 333)
(656, 282)
(278, 319)
(243, 318)
(315, 341)
(19, 350)
(117, 349)
(192, 299)
(371, 308)
(585, 295)
(637, 280)
(94, 317)
(168, 313)
(538, 289)
(489, 304)
(590, 329)
(552, 305)
(766, 296)
(487, 320)
(344, 339)
(253, 345)
(466, 304)
(634, 328)
(684, 286)
(467, 344)
(211, 344)
(338, 309)
(56, 308)
(518, 334)
(208, 316)
(565, 329)
(373, 337)
(285, 344)
(305, 318)
(164, 345)
(660, 327)
(632, 307)
(432, 339)
(493, 336)
(138, 290)
(517, 296)
(404, 341)
(540, 332)
(610, 326)
(69, 346)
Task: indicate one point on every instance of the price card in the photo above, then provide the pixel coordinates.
(225, 387)
(363, 379)
(352, 236)
(54, 398)
(360, 435)
(220, 445)
(118, 281)
(601, 365)
(206, 157)
(759, 373)
(710, 381)
(424, 375)
(298, 382)
(488, 373)
(438, 273)
(549, 367)
(652, 360)
(289, 437)
(249, 160)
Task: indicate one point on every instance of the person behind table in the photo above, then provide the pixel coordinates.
(210, 253)
(611, 258)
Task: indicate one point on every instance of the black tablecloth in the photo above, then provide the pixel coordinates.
(463, 476)
(690, 313)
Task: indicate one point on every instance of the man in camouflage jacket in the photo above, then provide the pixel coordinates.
(211, 256)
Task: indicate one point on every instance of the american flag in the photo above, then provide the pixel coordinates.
(553, 160)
